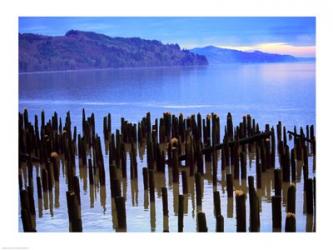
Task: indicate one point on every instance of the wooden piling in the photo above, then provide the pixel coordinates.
(277, 182)
(293, 165)
(290, 222)
(235, 157)
(276, 213)
(184, 182)
(217, 203)
(223, 159)
(198, 188)
(314, 199)
(45, 188)
(214, 167)
(180, 213)
(77, 189)
(291, 202)
(258, 175)
(75, 223)
(26, 221)
(145, 178)
(32, 209)
(175, 167)
(309, 196)
(151, 185)
(230, 185)
(243, 165)
(240, 211)
(40, 198)
(27, 212)
(165, 201)
(286, 165)
(121, 213)
(254, 207)
(220, 223)
(124, 163)
(201, 224)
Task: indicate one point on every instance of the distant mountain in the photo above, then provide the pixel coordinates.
(221, 55)
(89, 50)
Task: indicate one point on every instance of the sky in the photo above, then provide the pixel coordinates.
(284, 35)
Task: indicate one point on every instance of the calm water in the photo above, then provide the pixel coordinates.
(269, 92)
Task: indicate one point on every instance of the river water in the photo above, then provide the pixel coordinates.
(269, 92)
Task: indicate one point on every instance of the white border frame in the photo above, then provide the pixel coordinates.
(11, 10)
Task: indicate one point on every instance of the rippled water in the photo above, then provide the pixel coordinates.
(269, 92)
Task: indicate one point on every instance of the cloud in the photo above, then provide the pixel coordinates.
(278, 48)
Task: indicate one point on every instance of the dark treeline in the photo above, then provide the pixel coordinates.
(183, 148)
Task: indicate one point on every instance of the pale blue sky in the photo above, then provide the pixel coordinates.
(292, 35)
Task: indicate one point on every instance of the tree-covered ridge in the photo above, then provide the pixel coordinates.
(217, 55)
(89, 50)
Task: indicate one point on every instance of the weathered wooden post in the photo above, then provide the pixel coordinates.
(201, 224)
(286, 165)
(75, 223)
(165, 201)
(121, 213)
(291, 202)
(26, 221)
(217, 203)
(243, 165)
(314, 202)
(175, 163)
(77, 190)
(184, 182)
(45, 188)
(276, 213)
(151, 185)
(290, 222)
(198, 189)
(309, 196)
(123, 163)
(254, 207)
(240, 211)
(27, 212)
(214, 153)
(39, 195)
(145, 178)
(277, 182)
(220, 223)
(230, 186)
(235, 157)
(258, 176)
(180, 213)
(293, 166)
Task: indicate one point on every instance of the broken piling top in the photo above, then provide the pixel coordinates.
(174, 142)
(239, 193)
(54, 155)
(290, 215)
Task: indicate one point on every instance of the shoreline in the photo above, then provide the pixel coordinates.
(160, 67)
